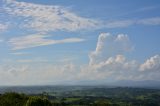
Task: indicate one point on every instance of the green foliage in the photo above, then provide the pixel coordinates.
(102, 103)
(37, 101)
(13, 99)
(86, 97)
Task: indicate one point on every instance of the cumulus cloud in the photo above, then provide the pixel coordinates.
(13, 70)
(103, 66)
(108, 61)
(35, 40)
(109, 45)
(43, 74)
(113, 68)
(152, 64)
(48, 18)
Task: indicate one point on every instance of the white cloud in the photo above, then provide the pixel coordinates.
(152, 64)
(29, 74)
(35, 40)
(36, 60)
(148, 8)
(108, 61)
(101, 66)
(11, 69)
(109, 45)
(48, 18)
(45, 18)
(150, 21)
(19, 53)
(114, 68)
(3, 27)
(15, 70)
(119, 24)
(127, 23)
(1, 40)
(110, 69)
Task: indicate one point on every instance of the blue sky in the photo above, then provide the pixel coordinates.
(43, 41)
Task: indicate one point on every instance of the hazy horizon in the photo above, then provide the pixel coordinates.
(52, 42)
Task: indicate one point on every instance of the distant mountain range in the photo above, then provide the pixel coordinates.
(121, 83)
(130, 83)
(124, 83)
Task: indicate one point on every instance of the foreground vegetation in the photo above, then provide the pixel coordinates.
(85, 97)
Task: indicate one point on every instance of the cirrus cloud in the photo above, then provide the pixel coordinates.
(46, 18)
(49, 18)
(3, 27)
(35, 40)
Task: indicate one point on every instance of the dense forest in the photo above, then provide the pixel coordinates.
(85, 97)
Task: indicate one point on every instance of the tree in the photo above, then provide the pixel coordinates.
(37, 101)
(102, 103)
(13, 99)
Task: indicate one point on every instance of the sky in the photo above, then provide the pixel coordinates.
(50, 42)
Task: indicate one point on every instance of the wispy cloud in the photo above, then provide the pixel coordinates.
(127, 23)
(20, 53)
(1, 40)
(36, 40)
(150, 21)
(3, 27)
(140, 10)
(48, 18)
(36, 60)
(153, 7)
(119, 23)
